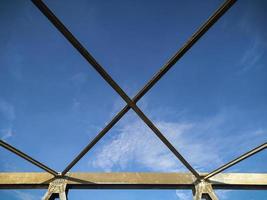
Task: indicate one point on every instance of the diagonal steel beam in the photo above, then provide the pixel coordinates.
(237, 160)
(131, 103)
(193, 39)
(26, 157)
(91, 60)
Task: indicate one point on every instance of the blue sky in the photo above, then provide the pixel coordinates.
(211, 105)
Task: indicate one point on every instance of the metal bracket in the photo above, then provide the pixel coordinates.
(204, 189)
(56, 189)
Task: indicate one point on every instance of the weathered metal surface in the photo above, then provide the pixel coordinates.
(204, 189)
(132, 180)
(239, 181)
(57, 188)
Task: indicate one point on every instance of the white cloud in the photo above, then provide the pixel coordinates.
(76, 105)
(205, 144)
(6, 133)
(184, 195)
(22, 195)
(252, 26)
(223, 194)
(79, 79)
(7, 110)
(187, 194)
(253, 55)
(259, 132)
(137, 143)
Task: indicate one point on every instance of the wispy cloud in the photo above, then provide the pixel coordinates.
(79, 79)
(206, 144)
(6, 133)
(184, 195)
(22, 195)
(7, 112)
(135, 143)
(252, 26)
(253, 55)
(187, 194)
(76, 104)
(223, 194)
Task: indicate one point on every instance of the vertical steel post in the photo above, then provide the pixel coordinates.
(204, 189)
(57, 188)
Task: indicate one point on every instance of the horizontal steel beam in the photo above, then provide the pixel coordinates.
(34, 180)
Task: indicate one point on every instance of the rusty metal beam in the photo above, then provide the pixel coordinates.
(138, 180)
(27, 157)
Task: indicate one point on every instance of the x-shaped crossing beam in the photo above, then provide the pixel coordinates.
(131, 103)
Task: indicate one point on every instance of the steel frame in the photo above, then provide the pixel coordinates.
(201, 184)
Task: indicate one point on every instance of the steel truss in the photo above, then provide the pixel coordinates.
(202, 184)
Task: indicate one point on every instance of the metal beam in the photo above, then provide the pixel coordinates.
(28, 158)
(138, 180)
(204, 189)
(56, 188)
(103, 73)
(235, 161)
(164, 69)
(115, 86)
